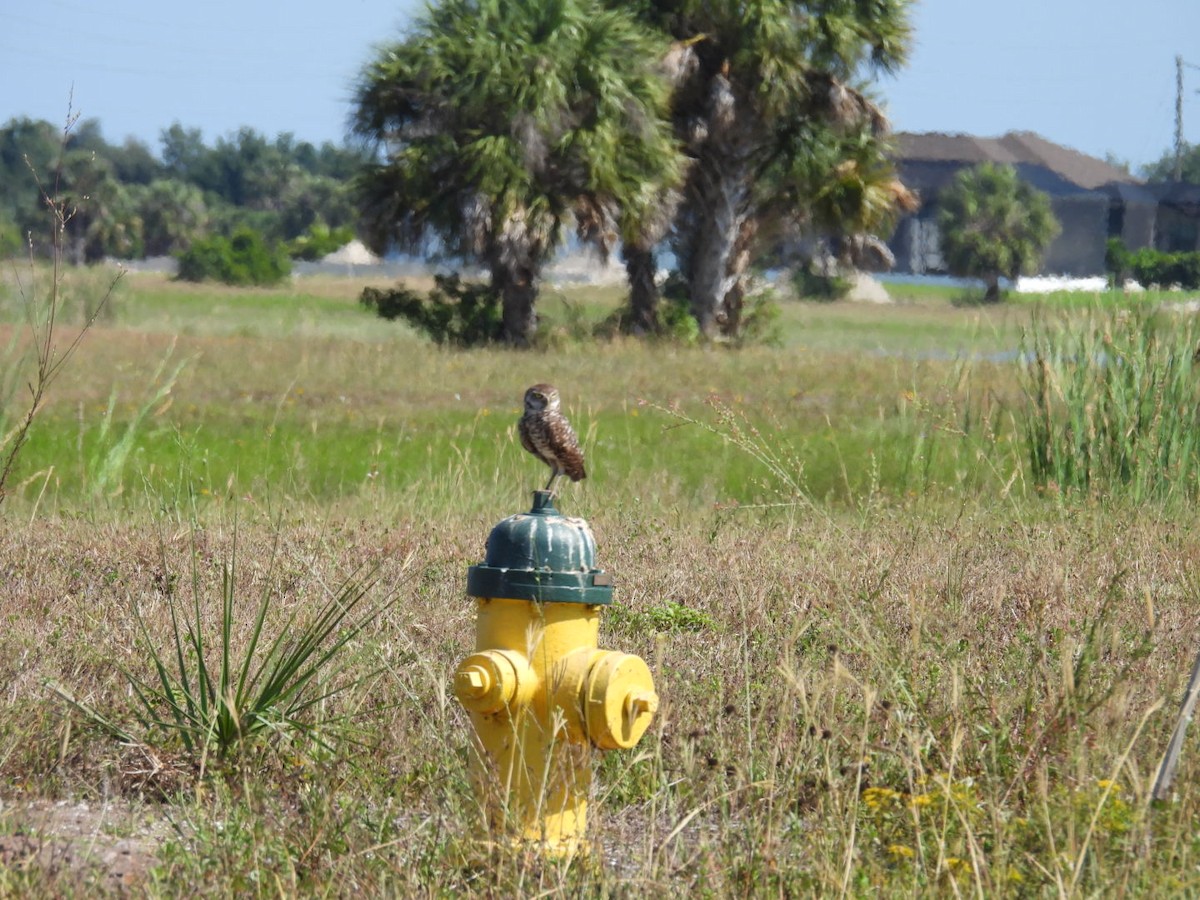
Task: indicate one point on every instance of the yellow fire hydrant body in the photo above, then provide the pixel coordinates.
(540, 692)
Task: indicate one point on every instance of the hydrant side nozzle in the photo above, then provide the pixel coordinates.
(493, 680)
(568, 690)
(619, 700)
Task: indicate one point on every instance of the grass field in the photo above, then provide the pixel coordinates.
(891, 661)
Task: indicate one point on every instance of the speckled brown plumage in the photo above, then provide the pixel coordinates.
(546, 433)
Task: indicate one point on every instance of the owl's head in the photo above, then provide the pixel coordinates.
(541, 397)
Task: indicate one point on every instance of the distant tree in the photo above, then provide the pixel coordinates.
(173, 214)
(340, 162)
(97, 210)
(134, 162)
(86, 136)
(1118, 163)
(310, 199)
(117, 234)
(11, 243)
(1163, 169)
(26, 143)
(248, 169)
(501, 124)
(123, 201)
(29, 151)
(226, 219)
(994, 225)
(185, 156)
(755, 82)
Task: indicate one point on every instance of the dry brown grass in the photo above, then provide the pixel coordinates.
(800, 663)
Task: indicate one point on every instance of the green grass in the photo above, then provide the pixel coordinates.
(338, 403)
(890, 665)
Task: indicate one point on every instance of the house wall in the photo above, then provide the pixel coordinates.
(1079, 248)
(920, 240)
(1176, 231)
(1084, 217)
(1137, 230)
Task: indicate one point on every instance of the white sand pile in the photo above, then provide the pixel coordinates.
(354, 253)
(1049, 284)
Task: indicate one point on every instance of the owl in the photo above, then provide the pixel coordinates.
(546, 433)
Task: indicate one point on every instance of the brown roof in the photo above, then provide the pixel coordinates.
(1014, 148)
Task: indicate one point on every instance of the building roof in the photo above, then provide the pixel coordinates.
(1017, 148)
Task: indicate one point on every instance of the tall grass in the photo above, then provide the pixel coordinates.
(46, 303)
(893, 687)
(1113, 403)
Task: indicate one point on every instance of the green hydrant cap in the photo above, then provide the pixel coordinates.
(541, 555)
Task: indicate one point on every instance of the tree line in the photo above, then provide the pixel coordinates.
(126, 201)
(699, 134)
(712, 128)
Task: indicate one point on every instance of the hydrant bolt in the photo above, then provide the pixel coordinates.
(473, 682)
(640, 702)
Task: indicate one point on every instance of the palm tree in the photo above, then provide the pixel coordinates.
(499, 125)
(754, 81)
(838, 186)
(86, 190)
(174, 215)
(993, 225)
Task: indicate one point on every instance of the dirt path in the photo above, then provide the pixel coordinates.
(104, 845)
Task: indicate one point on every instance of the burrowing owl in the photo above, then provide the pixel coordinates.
(546, 433)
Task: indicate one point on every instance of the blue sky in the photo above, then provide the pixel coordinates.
(1096, 75)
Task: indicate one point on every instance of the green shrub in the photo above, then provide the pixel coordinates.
(1153, 267)
(810, 285)
(1117, 259)
(761, 318)
(319, 241)
(243, 258)
(453, 313)
(676, 324)
(212, 689)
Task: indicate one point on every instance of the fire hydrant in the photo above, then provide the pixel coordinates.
(540, 691)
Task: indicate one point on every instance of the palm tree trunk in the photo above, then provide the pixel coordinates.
(739, 261)
(718, 197)
(518, 297)
(640, 268)
(992, 293)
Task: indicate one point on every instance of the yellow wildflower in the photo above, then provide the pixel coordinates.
(957, 865)
(877, 797)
